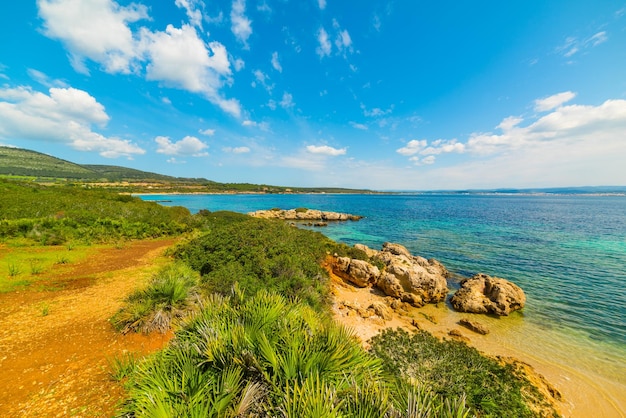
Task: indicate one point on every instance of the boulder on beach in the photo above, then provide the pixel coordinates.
(409, 278)
(358, 272)
(485, 294)
(412, 279)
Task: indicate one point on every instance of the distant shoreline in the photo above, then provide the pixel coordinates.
(387, 193)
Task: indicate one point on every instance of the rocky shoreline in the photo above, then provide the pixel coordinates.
(412, 279)
(395, 289)
(304, 214)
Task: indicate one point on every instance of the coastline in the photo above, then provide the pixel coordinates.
(584, 392)
(590, 374)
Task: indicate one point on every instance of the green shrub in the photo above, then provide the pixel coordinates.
(259, 254)
(260, 354)
(267, 356)
(454, 370)
(54, 215)
(171, 295)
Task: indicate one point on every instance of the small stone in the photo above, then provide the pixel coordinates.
(474, 326)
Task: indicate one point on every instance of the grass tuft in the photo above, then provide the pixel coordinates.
(171, 295)
(14, 269)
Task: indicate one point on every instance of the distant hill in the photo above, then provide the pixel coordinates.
(32, 165)
(22, 162)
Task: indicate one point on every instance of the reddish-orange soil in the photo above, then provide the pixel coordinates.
(56, 344)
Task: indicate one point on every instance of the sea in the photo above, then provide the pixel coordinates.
(568, 253)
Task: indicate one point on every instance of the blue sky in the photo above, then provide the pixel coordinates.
(409, 95)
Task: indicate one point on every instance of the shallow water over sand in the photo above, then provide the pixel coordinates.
(591, 378)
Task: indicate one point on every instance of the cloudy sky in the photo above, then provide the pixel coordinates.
(412, 95)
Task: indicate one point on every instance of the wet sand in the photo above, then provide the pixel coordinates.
(592, 382)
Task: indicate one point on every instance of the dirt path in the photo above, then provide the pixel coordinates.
(55, 346)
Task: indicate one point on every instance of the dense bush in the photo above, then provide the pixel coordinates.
(452, 369)
(55, 214)
(259, 254)
(268, 357)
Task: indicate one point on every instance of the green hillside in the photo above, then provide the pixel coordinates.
(117, 173)
(32, 165)
(21, 162)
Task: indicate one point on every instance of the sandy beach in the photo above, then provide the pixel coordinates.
(590, 386)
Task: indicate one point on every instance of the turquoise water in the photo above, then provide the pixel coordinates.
(567, 252)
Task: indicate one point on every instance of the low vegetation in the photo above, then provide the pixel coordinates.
(452, 369)
(263, 343)
(171, 295)
(260, 254)
(268, 356)
(250, 306)
(64, 215)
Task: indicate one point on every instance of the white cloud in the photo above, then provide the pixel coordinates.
(44, 80)
(276, 63)
(569, 126)
(326, 150)
(412, 147)
(509, 123)
(179, 58)
(262, 79)
(239, 64)
(573, 45)
(429, 160)
(271, 104)
(236, 150)
(376, 22)
(207, 132)
(441, 146)
(324, 47)
(359, 126)
(554, 101)
(375, 112)
(241, 26)
(321, 4)
(65, 115)
(99, 30)
(192, 7)
(598, 38)
(264, 7)
(264, 126)
(95, 29)
(287, 101)
(343, 40)
(189, 146)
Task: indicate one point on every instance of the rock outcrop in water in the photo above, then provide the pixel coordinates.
(303, 214)
(485, 294)
(406, 277)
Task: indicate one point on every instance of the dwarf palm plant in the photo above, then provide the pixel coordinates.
(171, 294)
(265, 354)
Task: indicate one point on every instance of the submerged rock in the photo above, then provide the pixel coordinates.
(474, 326)
(485, 294)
